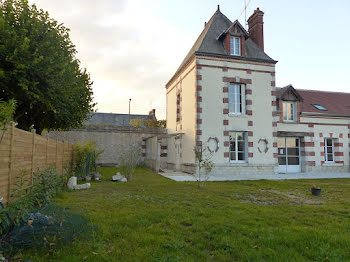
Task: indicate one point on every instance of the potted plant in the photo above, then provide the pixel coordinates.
(316, 191)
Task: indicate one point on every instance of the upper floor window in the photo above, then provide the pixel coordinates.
(235, 46)
(237, 146)
(329, 150)
(178, 108)
(235, 99)
(289, 111)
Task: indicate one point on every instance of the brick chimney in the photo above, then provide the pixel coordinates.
(256, 27)
(152, 112)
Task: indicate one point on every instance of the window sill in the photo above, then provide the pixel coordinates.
(330, 164)
(237, 115)
(289, 122)
(238, 162)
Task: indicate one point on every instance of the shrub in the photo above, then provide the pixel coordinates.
(129, 158)
(30, 193)
(85, 156)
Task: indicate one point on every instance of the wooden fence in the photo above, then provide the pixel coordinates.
(26, 151)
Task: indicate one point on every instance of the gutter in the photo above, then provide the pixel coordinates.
(323, 114)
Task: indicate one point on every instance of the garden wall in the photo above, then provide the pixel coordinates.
(26, 151)
(111, 139)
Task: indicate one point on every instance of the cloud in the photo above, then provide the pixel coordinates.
(129, 51)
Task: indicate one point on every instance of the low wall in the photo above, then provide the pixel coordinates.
(111, 139)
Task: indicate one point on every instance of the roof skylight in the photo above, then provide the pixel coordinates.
(319, 107)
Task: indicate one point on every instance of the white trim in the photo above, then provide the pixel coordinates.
(294, 108)
(326, 152)
(236, 148)
(234, 48)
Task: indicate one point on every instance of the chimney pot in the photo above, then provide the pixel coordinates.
(218, 7)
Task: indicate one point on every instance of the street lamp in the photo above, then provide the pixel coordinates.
(129, 111)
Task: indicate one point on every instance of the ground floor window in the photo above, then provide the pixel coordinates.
(329, 150)
(237, 146)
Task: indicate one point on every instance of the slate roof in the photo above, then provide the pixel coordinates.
(114, 119)
(208, 43)
(337, 103)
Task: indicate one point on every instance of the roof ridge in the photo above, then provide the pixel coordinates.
(322, 91)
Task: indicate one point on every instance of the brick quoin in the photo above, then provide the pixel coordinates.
(225, 111)
(273, 73)
(310, 163)
(248, 102)
(275, 155)
(248, 91)
(273, 83)
(250, 123)
(226, 133)
(274, 103)
(308, 144)
(274, 134)
(163, 155)
(340, 135)
(199, 132)
(275, 144)
(321, 135)
(250, 144)
(322, 144)
(225, 122)
(274, 124)
(225, 89)
(164, 147)
(250, 155)
(199, 99)
(322, 153)
(225, 100)
(143, 146)
(338, 153)
(199, 110)
(226, 154)
(275, 113)
(199, 88)
(198, 143)
(226, 144)
(311, 125)
(249, 112)
(199, 77)
(250, 133)
(309, 153)
(199, 121)
(273, 93)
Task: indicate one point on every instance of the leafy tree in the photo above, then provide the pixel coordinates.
(7, 110)
(38, 69)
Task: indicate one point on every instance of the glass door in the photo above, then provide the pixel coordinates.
(288, 155)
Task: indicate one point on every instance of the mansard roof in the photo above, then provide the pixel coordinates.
(210, 43)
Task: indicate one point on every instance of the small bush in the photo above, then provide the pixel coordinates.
(85, 156)
(30, 193)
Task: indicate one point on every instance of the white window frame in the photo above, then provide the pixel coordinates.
(235, 46)
(326, 150)
(236, 147)
(236, 99)
(294, 115)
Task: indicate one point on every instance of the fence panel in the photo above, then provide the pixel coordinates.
(22, 151)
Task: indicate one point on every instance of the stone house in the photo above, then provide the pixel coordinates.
(224, 97)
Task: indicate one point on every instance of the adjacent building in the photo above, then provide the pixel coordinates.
(224, 98)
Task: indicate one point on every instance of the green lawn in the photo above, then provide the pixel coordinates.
(155, 219)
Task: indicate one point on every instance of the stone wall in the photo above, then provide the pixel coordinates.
(111, 139)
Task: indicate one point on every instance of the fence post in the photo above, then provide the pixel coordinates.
(47, 149)
(64, 143)
(33, 156)
(56, 157)
(11, 161)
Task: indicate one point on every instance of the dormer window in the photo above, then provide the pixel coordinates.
(289, 111)
(235, 46)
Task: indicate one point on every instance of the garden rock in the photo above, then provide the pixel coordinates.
(88, 178)
(119, 178)
(72, 182)
(97, 176)
(82, 186)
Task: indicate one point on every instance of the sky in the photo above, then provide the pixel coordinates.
(133, 47)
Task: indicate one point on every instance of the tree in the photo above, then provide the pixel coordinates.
(38, 69)
(7, 110)
(203, 161)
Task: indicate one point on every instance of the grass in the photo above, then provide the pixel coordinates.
(155, 219)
